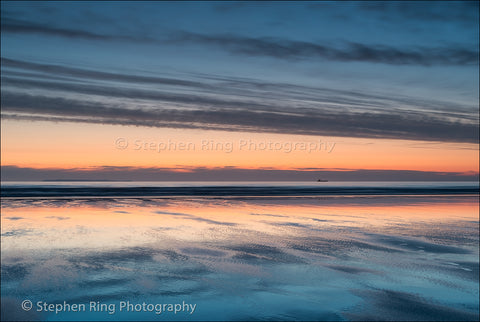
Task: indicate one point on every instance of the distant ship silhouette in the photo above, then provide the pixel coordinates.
(322, 180)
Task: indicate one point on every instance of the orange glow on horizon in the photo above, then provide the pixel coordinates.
(89, 146)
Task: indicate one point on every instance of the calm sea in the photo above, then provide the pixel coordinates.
(139, 189)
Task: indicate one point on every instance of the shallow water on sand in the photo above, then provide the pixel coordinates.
(242, 258)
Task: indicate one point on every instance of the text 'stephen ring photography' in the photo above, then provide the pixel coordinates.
(240, 161)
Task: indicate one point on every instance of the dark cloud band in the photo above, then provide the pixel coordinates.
(75, 95)
(226, 173)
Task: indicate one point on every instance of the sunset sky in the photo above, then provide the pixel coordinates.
(240, 90)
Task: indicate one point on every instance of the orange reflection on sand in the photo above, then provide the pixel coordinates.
(107, 225)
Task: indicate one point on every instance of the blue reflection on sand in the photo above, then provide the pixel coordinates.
(244, 259)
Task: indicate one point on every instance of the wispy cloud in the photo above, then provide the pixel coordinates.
(221, 103)
(49, 70)
(279, 48)
(16, 26)
(345, 51)
(413, 125)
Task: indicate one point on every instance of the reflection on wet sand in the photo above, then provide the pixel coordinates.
(329, 258)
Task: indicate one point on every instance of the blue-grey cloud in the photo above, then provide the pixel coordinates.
(279, 48)
(16, 26)
(225, 103)
(29, 75)
(346, 52)
(396, 125)
(50, 70)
